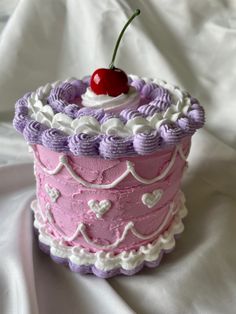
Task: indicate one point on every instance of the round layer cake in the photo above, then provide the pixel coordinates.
(108, 171)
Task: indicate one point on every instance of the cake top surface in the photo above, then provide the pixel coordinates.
(66, 116)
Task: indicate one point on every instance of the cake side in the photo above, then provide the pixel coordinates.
(108, 177)
(108, 205)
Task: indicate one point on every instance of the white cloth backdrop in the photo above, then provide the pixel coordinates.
(188, 43)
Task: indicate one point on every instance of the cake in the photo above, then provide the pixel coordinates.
(108, 196)
(109, 154)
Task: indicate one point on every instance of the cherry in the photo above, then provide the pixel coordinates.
(112, 81)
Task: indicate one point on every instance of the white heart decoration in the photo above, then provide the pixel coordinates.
(151, 199)
(99, 207)
(53, 193)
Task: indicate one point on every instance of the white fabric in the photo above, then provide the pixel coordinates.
(188, 43)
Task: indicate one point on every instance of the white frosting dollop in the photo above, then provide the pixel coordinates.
(106, 102)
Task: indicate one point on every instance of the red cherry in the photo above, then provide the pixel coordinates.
(112, 82)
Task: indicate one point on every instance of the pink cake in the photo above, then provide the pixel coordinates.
(108, 171)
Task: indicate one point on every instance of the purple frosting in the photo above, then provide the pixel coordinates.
(157, 99)
(72, 110)
(57, 93)
(146, 143)
(21, 103)
(70, 91)
(33, 132)
(161, 93)
(187, 125)
(20, 120)
(96, 113)
(160, 104)
(138, 84)
(171, 134)
(23, 110)
(80, 87)
(58, 105)
(55, 139)
(148, 110)
(84, 144)
(195, 106)
(114, 147)
(129, 114)
(197, 115)
(148, 89)
(108, 116)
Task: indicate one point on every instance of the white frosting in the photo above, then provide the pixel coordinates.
(106, 102)
(99, 207)
(64, 163)
(41, 112)
(106, 261)
(172, 114)
(53, 193)
(151, 199)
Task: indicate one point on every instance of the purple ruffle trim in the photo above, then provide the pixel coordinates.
(171, 134)
(138, 84)
(128, 114)
(186, 125)
(33, 132)
(148, 90)
(20, 120)
(146, 143)
(72, 110)
(21, 105)
(160, 104)
(55, 140)
(58, 105)
(67, 91)
(95, 113)
(84, 144)
(114, 147)
(148, 110)
(80, 87)
(197, 114)
(108, 116)
(57, 93)
(92, 269)
(154, 92)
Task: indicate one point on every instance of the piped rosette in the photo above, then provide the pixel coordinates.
(67, 116)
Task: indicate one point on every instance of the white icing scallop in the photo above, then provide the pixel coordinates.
(130, 169)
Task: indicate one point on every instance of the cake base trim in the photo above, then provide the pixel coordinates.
(107, 264)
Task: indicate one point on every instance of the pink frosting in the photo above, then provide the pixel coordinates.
(71, 207)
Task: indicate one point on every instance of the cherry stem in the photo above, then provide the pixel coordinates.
(137, 12)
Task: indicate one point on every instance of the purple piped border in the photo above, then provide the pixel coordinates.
(92, 269)
(157, 99)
